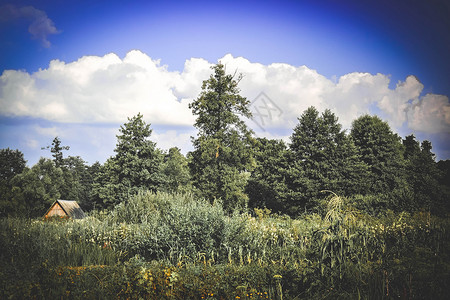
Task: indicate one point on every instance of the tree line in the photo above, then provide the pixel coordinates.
(370, 164)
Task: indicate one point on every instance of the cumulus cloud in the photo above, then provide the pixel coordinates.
(429, 114)
(95, 89)
(40, 25)
(293, 89)
(109, 89)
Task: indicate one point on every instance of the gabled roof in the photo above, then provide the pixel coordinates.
(71, 208)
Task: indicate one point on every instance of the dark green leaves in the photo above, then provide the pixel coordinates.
(223, 148)
(136, 165)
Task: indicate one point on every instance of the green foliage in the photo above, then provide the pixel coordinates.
(423, 175)
(176, 171)
(78, 181)
(163, 246)
(169, 226)
(56, 150)
(35, 189)
(323, 157)
(267, 185)
(223, 148)
(136, 165)
(382, 151)
(386, 237)
(12, 163)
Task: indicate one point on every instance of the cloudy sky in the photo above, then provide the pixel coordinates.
(77, 69)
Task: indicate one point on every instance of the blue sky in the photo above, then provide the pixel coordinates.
(77, 69)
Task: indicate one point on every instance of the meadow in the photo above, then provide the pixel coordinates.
(175, 246)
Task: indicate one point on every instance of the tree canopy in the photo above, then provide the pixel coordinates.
(223, 149)
(136, 165)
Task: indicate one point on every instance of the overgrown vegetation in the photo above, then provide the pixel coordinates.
(164, 246)
(238, 218)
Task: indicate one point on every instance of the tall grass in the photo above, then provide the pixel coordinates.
(173, 246)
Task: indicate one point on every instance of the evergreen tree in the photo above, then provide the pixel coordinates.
(422, 174)
(383, 152)
(222, 156)
(136, 165)
(323, 158)
(267, 184)
(56, 149)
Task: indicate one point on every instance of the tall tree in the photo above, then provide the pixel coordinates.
(136, 165)
(382, 151)
(222, 156)
(323, 158)
(422, 174)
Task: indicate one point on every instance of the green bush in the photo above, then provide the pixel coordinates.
(173, 246)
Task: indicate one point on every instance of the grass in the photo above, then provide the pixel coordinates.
(172, 246)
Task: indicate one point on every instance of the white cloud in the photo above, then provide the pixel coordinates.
(395, 103)
(109, 89)
(96, 89)
(430, 114)
(293, 89)
(40, 27)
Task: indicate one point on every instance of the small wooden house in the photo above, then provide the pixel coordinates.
(65, 208)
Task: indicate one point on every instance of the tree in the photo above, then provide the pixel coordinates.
(444, 181)
(267, 184)
(12, 163)
(35, 189)
(422, 174)
(136, 165)
(176, 171)
(222, 156)
(412, 146)
(57, 149)
(323, 158)
(382, 151)
(78, 180)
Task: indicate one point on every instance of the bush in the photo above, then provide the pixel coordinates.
(164, 246)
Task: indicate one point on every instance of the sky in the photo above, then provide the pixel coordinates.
(79, 69)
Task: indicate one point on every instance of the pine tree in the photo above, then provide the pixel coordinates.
(382, 151)
(56, 149)
(422, 174)
(136, 165)
(323, 158)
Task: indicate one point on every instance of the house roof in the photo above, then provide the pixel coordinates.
(71, 208)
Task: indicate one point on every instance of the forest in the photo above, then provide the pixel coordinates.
(332, 214)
